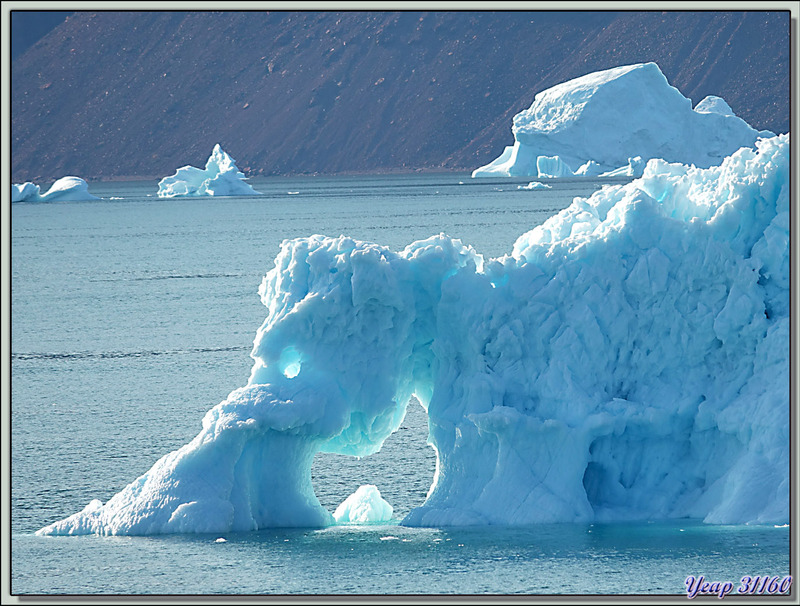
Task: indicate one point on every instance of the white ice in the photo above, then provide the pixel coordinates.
(221, 177)
(535, 185)
(552, 168)
(364, 506)
(628, 360)
(25, 192)
(64, 189)
(634, 168)
(714, 105)
(610, 116)
(589, 169)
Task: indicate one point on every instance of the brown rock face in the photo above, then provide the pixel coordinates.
(112, 94)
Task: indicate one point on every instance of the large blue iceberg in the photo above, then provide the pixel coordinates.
(628, 360)
(220, 177)
(619, 117)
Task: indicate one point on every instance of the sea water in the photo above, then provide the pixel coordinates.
(133, 315)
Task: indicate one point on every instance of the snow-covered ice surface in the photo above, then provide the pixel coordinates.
(364, 506)
(611, 116)
(65, 189)
(221, 177)
(628, 360)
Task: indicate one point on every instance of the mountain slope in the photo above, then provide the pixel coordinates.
(109, 94)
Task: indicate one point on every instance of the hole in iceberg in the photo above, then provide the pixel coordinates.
(290, 362)
(402, 470)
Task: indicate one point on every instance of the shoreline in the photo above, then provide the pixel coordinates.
(363, 173)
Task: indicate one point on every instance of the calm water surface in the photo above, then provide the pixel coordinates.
(132, 316)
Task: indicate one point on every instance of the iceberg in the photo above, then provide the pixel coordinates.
(634, 168)
(609, 116)
(64, 189)
(221, 177)
(552, 168)
(714, 105)
(535, 185)
(25, 192)
(629, 359)
(364, 506)
(589, 169)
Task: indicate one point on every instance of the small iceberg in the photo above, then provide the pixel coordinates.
(365, 505)
(535, 185)
(714, 105)
(221, 177)
(25, 192)
(589, 169)
(65, 189)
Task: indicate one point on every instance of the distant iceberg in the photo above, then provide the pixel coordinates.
(65, 189)
(610, 116)
(535, 185)
(552, 168)
(628, 360)
(364, 506)
(25, 192)
(714, 105)
(634, 168)
(589, 169)
(221, 177)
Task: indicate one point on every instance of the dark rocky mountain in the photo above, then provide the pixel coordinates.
(29, 27)
(125, 93)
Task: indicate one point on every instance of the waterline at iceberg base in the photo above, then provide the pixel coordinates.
(609, 123)
(628, 360)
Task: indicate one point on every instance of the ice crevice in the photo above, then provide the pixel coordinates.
(619, 364)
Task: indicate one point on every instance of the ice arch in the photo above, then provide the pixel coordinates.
(629, 359)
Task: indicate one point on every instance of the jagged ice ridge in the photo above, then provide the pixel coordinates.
(221, 177)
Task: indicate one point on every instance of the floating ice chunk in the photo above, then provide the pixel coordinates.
(221, 177)
(69, 188)
(616, 114)
(363, 506)
(64, 189)
(25, 192)
(535, 185)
